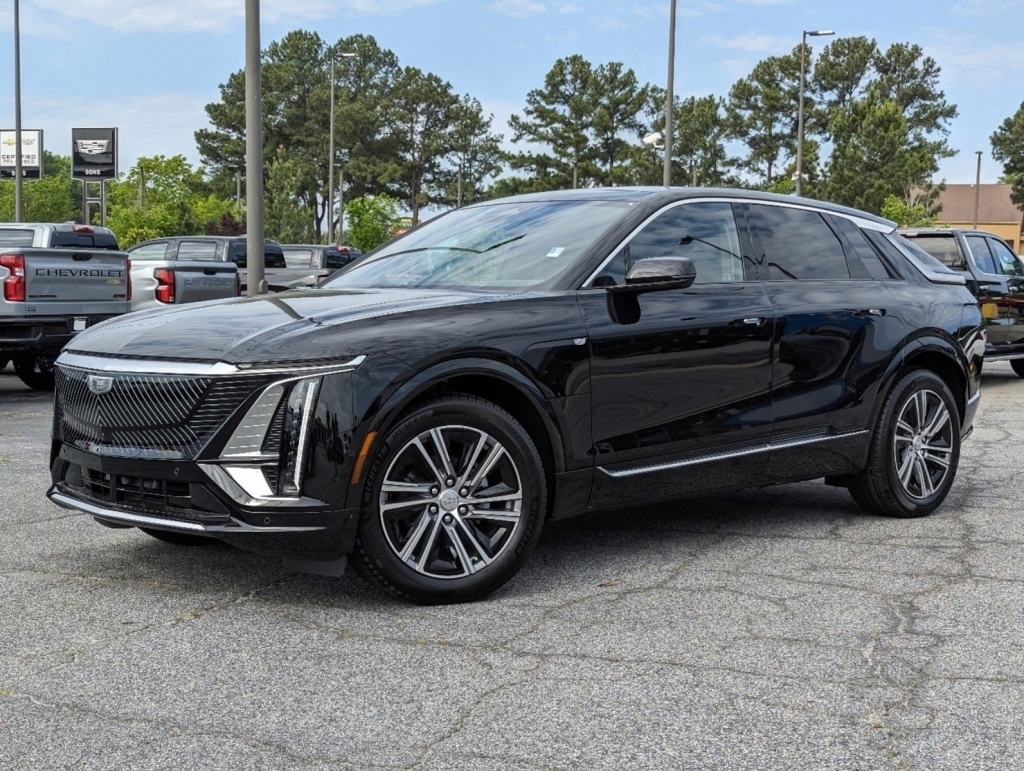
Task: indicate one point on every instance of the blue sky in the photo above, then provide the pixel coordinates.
(150, 66)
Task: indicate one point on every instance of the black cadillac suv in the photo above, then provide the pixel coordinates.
(426, 409)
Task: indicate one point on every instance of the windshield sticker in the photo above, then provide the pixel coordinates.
(556, 251)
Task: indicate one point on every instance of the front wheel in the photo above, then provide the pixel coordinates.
(36, 372)
(454, 502)
(915, 449)
(1018, 366)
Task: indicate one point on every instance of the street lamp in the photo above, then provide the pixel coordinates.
(800, 118)
(667, 174)
(330, 154)
(17, 116)
(255, 277)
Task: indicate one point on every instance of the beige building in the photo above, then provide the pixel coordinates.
(996, 212)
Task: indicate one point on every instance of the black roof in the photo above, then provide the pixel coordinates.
(669, 194)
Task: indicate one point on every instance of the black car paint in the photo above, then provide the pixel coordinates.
(569, 358)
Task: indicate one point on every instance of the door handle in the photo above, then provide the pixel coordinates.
(755, 322)
(872, 312)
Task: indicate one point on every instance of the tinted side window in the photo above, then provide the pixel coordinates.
(704, 232)
(943, 248)
(981, 254)
(1006, 260)
(105, 241)
(855, 236)
(156, 251)
(16, 237)
(197, 250)
(238, 254)
(335, 259)
(798, 244)
(273, 257)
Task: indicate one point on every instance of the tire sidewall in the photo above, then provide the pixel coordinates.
(474, 414)
(918, 381)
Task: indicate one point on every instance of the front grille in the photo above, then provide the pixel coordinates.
(167, 498)
(148, 416)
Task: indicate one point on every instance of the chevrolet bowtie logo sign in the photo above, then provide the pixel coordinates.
(92, 146)
(100, 384)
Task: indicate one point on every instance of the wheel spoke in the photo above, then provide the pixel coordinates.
(420, 488)
(930, 458)
(492, 460)
(414, 538)
(478, 499)
(464, 478)
(460, 549)
(442, 450)
(905, 428)
(938, 422)
(393, 505)
(492, 515)
(422, 561)
(924, 478)
(478, 547)
(906, 468)
(921, 407)
(426, 456)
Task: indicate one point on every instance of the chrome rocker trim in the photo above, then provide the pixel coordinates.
(142, 520)
(717, 456)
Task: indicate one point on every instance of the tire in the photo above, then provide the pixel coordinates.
(36, 372)
(433, 536)
(1018, 366)
(900, 435)
(180, 539)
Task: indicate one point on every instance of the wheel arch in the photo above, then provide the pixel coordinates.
(937, 355)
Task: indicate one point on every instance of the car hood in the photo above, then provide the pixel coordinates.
(270, 328)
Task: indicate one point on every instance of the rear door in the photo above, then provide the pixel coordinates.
(199, 275)
(992, 289)
(836, 330)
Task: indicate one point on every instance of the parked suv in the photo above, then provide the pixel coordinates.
(994, 274)
(425, 410)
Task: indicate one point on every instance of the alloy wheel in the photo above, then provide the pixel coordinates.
(451, 501)
(923, 444)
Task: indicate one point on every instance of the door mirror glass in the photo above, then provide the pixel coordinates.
(660, 273)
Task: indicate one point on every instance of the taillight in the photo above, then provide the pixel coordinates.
(14, 284)
(165, 285)
(128, 272)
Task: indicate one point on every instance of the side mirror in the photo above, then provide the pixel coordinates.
(657, 273)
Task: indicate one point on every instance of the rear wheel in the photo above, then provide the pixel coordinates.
(454, 502)
(35, 371)
(1018, 366)
(180, 539)
(915, 449)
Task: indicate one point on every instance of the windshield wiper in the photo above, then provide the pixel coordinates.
(455, 248)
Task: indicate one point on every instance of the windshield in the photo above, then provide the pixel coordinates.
(515, 246)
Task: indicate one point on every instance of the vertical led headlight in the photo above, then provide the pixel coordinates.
(299, 408)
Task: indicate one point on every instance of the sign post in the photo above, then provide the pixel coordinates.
(94, 159)
(31, 154)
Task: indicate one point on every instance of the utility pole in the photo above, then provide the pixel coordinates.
(341, 204)
(142, 187)
(977, 189)
(667, 175)
(254, 241)
(458, 203)
(800, 116)
(693, 171)
(17, 116)
(330, 164)
(238, 194)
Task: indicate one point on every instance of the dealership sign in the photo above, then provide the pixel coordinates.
(94, 153)
(31, 153)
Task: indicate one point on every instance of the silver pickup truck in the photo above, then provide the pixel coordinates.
(174, 271)
(57, 281)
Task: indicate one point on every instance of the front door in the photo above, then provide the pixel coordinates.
(681, 378)
(1012, 310)
(991, 290)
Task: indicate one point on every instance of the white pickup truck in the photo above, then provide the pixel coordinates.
(57, 279)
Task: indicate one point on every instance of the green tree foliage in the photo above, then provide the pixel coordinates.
(907, 215)
(370, 221)
(474, 150)
(1008, 148)
(51, 199)
(762, 113)
(160, 197)
(286, 217)
(617, 100)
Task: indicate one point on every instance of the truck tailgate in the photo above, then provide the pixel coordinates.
(198, 281)
(75, 282)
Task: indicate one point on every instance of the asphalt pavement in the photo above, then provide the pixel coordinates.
(772, 629)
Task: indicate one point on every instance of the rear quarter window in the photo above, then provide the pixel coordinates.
(943, 248)
(148, 252)
(16, 237)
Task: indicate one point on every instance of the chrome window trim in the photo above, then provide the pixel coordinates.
(199, 369)
(717, 456)
(858, 221)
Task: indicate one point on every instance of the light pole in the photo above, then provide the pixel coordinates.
(667, 174)
(256, 283)
(977, 189)
(341, 203)
(800, 117)
(330, 155)
(17, 115)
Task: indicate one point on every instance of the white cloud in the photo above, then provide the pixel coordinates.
(747, 42)
(517, 9)
(985, 7)
(967, 59)
(205, 15)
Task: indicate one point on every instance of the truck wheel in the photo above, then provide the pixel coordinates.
(1018, 366)
(36, 372)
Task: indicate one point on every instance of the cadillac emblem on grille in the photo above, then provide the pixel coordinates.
(100, 384)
